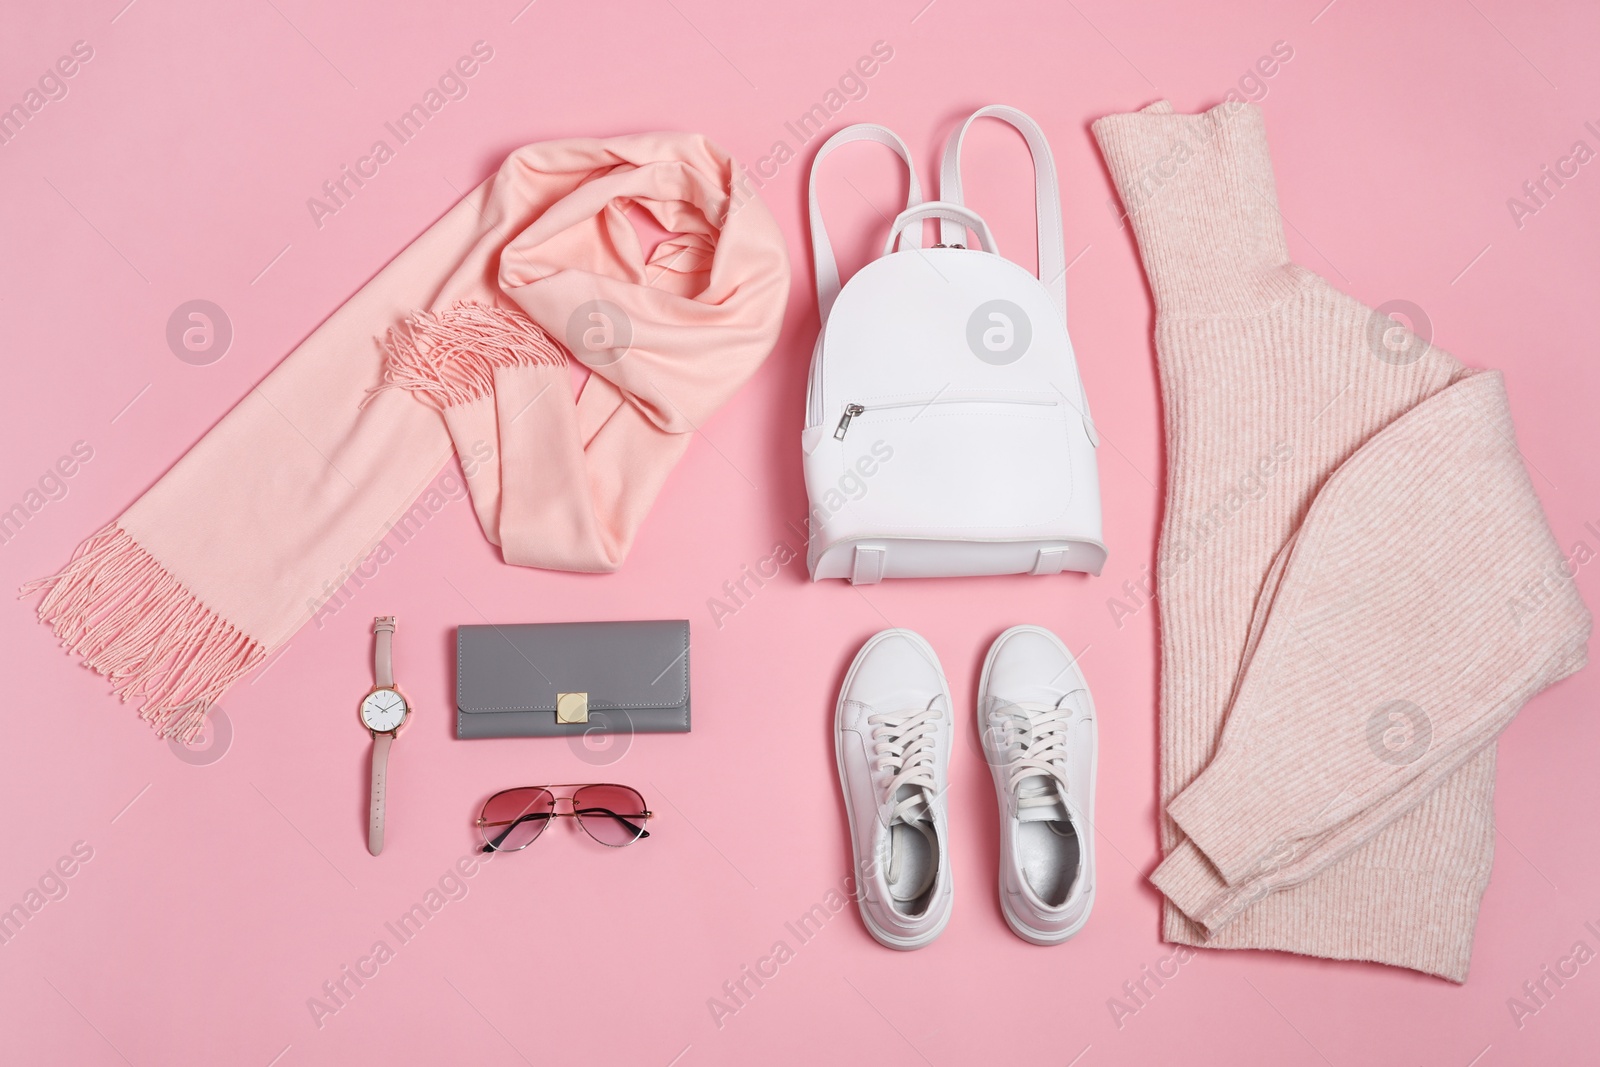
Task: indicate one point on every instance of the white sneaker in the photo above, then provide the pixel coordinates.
(892, 739)
(1037, 721)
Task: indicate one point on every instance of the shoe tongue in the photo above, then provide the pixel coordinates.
(1038, 800)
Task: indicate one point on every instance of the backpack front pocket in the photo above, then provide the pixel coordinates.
(946, 464)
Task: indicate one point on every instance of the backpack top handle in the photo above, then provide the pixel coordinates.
(949, 215)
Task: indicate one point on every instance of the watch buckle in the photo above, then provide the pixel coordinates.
(572, 707)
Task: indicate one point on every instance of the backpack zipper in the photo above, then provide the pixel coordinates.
(852, 410)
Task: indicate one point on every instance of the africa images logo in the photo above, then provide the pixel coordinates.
(999, 332)
(1399, 732)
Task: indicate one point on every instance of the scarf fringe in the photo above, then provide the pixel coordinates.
(136, 624)
(449, 357)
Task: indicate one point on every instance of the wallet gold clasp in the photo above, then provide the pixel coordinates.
(572, 707)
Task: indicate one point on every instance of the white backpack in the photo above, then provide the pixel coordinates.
(947, 431)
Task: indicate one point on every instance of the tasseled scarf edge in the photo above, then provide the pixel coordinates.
(116, 606)
(449, 357)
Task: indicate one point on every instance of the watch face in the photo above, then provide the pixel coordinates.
(383, 710)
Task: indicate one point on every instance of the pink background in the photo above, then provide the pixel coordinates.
(220, 896)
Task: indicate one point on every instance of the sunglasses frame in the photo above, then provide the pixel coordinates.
(553, 813)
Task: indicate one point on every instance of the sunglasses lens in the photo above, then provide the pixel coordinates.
(512, 819)
(611, 814)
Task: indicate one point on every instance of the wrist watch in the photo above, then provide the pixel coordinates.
(383, 711)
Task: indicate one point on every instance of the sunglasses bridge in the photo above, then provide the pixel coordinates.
(571, 813)
(572, 810)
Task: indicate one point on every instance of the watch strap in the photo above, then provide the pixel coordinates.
(380, 782)
(383, 651)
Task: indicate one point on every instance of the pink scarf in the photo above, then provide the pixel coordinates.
(239, 544)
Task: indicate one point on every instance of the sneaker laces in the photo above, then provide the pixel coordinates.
(904, 743)
(1033, 736)
(903, 746)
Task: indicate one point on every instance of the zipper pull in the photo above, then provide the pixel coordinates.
(850, 412)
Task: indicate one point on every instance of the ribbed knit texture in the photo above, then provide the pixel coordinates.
(1355, 580)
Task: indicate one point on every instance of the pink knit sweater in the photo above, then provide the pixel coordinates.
(1358, 587)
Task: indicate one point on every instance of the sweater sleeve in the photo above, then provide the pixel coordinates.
(1404, 625)
(1199, 193)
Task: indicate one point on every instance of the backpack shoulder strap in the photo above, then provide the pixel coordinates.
(1047, 196)
(826, 269)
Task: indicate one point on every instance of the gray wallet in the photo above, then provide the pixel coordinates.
(558, 679)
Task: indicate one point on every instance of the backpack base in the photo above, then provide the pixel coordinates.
(866, 560)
